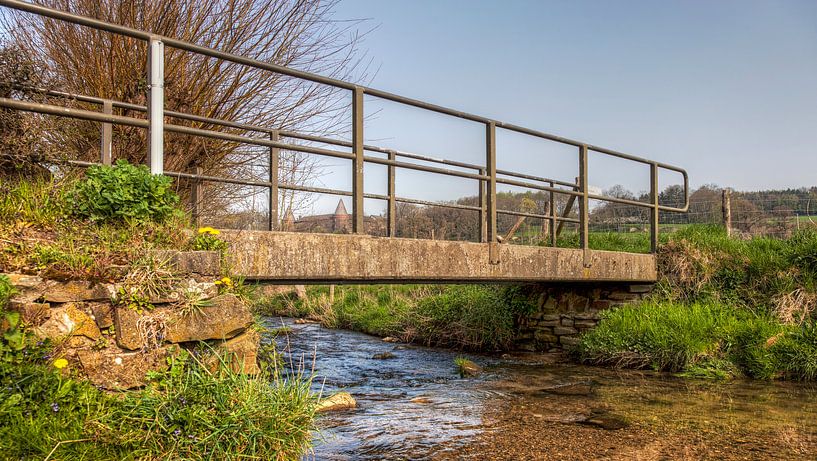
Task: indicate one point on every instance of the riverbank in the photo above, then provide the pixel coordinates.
(113, 347)
(722, 308)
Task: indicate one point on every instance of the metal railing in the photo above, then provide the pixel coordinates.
(488, 175)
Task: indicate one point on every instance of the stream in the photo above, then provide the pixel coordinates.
(414, 406)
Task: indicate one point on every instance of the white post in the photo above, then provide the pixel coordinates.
(156, 103)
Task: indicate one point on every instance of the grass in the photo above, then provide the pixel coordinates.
(471, 317)
(701, 340)
(41, 234)
(763, 275)
(189, 412)
(193, 411)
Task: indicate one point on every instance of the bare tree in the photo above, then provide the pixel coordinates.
(296, 33)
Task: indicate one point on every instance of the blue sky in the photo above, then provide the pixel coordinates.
(725, 89)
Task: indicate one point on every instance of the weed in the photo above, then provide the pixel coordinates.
(123, 192)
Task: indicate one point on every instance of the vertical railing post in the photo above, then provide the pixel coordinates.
(490, 167)
(654, 208)
(392, 213)
(156, 105)
(274, 154)
(196, 196)
(483, 209)
(357, 163)
(584, 203)
(107, 135)
(552, 217)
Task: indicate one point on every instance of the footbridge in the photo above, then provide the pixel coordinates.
(280, 256)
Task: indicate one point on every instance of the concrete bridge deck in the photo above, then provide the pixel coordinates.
(290, 257)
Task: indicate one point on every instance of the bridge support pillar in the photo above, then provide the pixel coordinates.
(566, 311)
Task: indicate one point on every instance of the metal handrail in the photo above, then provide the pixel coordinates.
(486, 175)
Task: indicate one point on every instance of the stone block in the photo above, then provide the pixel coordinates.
(545, 336)
(560, 331)
(31, 313)
(589, 315)
(127, 331)
(115, 369)
(102, 313)
(75, 291)
(622, 296)
(640, 288)
(549, 323)
(68, 320)
(585, 324)
(226, 317)
(567, 321)
(569, 341)
(240, 353)
(600, 304)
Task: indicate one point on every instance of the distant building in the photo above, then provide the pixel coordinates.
(339, 222)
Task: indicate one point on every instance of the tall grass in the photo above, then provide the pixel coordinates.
(190, 412)
(473, 317)
(764, 275)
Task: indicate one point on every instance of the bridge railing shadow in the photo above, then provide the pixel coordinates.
(566, 207)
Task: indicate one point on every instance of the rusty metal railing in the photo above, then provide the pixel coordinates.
(488, 175)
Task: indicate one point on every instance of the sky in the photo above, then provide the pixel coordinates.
(725, 89)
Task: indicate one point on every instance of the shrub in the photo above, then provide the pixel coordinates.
(124, 192)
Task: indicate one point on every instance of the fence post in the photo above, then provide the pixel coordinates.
(552, 217)
(726, 209)
(392, 227)
(107, 134)
(584, 225)
(483, 209)
(654, 212)
(357, 163)
(196, 195)
(490, 168)
(274, 153)
(156, 100)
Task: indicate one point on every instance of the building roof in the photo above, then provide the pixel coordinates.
(341, 208)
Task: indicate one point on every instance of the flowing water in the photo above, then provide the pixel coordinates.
(414, 406)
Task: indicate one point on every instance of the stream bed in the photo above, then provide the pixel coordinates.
(414, 406)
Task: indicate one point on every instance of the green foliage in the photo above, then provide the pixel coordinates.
(41, 234)
(474, 317)
(193, 413)
(124, 192)
(701, 340)
(465, 367)
(7, 290)
(13, 338)
(701, 263)
(189, 412)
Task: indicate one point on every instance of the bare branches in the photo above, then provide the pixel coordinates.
(294, 33)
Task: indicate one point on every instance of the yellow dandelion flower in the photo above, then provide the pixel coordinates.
(60, 364)
(214, 231)
(227, 282)
(217, 282)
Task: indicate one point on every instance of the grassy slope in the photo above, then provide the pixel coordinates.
(723, 307)
(188, 413)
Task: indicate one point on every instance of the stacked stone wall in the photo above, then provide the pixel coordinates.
(565, 312)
